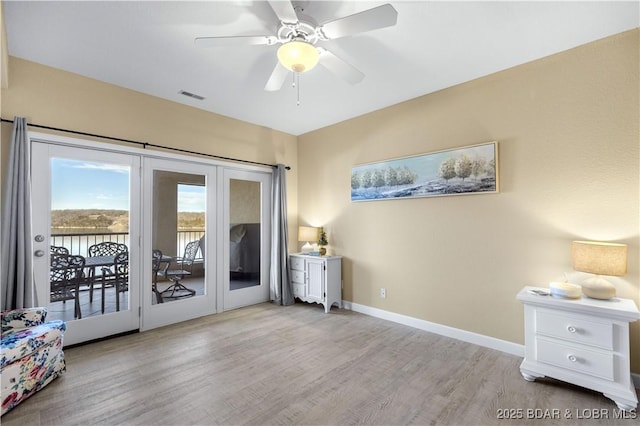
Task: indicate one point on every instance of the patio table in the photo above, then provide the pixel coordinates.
(91, 263)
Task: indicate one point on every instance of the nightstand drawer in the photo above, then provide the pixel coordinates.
(298, 290)
(297, 263)
(575, 329)
(297, 276)
(598, 364)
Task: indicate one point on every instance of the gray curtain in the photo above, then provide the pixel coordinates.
(16, 269)
(280, 283)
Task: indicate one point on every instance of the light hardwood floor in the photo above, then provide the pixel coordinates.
(267, 364)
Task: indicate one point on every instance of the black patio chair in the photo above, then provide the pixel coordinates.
(158, 260)
(65, 276)
(58, 250)
(183, 269)
(105, 248)
(117, 276)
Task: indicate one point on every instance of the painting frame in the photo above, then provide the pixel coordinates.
(466, 170)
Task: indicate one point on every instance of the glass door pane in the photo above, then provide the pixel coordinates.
(179, 225)
(90, 212)
(246, 238)
(244, 234)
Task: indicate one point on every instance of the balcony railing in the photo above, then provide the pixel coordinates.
(79, 243)
(185, 237)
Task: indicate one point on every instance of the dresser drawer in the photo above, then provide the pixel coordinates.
(297, 276)
(297, 263)
(574, 329)
(594, 363)
(299, 290)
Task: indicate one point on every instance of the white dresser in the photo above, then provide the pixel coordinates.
(581, 341)
(317, 279)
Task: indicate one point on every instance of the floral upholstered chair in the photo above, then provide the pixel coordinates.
(30, 354)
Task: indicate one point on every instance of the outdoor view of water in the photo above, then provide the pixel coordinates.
(78, 240)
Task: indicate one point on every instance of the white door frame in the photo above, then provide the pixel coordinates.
(94, 327)
(157, 315)
(255, 294)
(142, 270)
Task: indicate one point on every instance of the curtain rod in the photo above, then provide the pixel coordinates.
(145, 144)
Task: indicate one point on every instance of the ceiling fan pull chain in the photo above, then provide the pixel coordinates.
(298, 87)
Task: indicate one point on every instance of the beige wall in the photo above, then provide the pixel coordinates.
(568, 135)
(4, 51)
(244, 201)
(4, 82)
(53, 97)
(568, 131)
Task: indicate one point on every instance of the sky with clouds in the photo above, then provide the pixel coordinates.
(94, 185)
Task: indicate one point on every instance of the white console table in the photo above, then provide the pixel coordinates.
(317, 279)
(581, 341)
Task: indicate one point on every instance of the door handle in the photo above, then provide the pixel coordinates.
(39, 238)
(38, 253)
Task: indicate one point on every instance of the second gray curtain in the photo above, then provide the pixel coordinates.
(280, 288)
(16, 269)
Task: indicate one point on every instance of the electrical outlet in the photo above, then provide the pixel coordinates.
(383, 292)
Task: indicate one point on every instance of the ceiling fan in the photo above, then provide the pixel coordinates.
(298, 35)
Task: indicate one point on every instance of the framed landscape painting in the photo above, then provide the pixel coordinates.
(459, 171)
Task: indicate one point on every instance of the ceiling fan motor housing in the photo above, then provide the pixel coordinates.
(303, 29)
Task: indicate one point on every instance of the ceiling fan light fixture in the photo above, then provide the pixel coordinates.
(298, 56)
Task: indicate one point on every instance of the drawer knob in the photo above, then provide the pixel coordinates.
(571, 329)
(572, 358)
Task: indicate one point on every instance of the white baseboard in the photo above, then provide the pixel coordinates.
(443, 330)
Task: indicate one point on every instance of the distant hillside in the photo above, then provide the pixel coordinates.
(191, 220)
(114, 220)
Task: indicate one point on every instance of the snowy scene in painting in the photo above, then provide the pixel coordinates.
(459, 171)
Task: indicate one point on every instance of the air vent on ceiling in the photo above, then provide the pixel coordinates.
(191, 95)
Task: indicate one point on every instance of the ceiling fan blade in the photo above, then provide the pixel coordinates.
(284, 10)
(232, 41)
(277, 78)
(339, 67)
(372, 19)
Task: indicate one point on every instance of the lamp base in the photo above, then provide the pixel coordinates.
(598, 288)
(306, 248)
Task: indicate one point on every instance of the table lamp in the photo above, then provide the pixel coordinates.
(599, 258)
(307, 234)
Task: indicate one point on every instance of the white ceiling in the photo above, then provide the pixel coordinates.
(149, 47)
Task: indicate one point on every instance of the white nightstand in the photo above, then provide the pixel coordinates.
(317, 279)
(581, 341)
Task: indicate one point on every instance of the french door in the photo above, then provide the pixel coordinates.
(179, 226)
(84, 200)
(246, 225)
(208, 225)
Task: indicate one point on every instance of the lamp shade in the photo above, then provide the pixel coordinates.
(307, 234)
(599, 258)
(298, 56)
